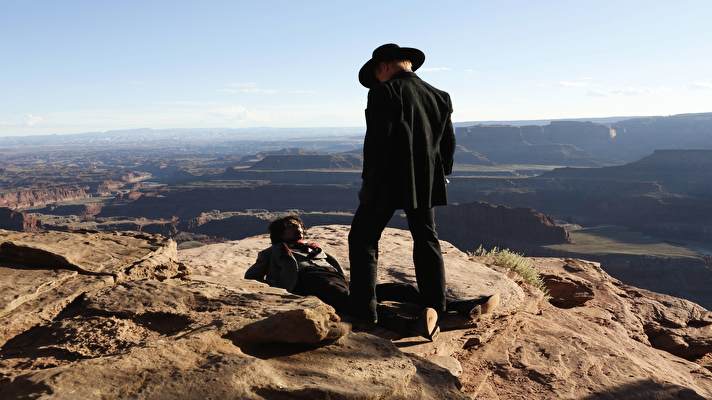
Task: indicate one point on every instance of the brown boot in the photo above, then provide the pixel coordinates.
(485, 308)
(427, 324)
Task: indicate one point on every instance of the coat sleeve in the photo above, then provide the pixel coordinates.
(258, 270)
(378, 129)
(447, 143)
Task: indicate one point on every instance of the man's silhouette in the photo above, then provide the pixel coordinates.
(408, 150)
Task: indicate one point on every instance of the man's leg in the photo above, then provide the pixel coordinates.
(329, 287)
(366, 228)
(401, 292)
(427, 258)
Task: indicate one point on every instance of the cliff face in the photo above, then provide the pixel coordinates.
(124, 315)
(469, 225)
(37, 197)
(554, 144)
(313, 161)
(18, 221)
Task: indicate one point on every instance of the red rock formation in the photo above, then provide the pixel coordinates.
(18, 221)
(25, 198)
(91, 210)
(469, 225)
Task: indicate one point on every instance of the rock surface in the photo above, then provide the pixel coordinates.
(592, 349)
(151, 334)
(41, 273)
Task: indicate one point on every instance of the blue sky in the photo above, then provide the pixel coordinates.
(74, 66)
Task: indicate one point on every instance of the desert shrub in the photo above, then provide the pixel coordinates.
(514, 261)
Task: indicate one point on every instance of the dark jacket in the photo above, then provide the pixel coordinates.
(409, 144)
(279, 265)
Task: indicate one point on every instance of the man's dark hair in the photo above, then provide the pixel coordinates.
(277, 227)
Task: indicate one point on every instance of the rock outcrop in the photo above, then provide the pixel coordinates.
(472, 224)
(134, 328)
(507, 144)
(590, 342)
(24, 198)
(310, 161)
(18, 221)
(42, 273)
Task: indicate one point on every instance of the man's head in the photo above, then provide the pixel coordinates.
(287, 229)
(385, 70)
(386, 61)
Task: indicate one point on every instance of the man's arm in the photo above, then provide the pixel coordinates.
(378, 128)
(258, 270)
(334, 263)
(447, 143)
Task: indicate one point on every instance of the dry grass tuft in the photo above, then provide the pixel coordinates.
(514, 261)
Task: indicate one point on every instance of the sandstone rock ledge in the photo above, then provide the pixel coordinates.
(124, 315)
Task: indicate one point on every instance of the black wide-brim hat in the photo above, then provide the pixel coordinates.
(388, 52)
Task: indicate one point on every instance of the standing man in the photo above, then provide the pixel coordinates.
(407, 152)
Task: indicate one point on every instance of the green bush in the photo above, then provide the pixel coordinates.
(509, 259)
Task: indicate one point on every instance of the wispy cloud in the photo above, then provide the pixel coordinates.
(247, 87)
(597, 93)
(254, 88)
(231, 113)
(583, 82)
(632, 91)
(704, 85)
(624, 91)
(435, 69)
(32, 120)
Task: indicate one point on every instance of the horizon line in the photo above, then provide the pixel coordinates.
(474, 122)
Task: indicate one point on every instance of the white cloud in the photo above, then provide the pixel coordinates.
(32, 120)
(248, 87)
(632, 91)
(470, 70)
(233, 113)
(583, 82)
(702, 85)
(435, 69)
(597, 93)
(254, 88)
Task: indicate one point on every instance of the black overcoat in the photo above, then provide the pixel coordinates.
(409, 144)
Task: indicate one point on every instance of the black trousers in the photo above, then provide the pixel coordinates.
(366, 228)
(331, 288)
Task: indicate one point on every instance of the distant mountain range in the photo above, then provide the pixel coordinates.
(586, 143)
(570, 142)
(523, 122)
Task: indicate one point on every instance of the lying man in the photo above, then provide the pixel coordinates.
(303, 268)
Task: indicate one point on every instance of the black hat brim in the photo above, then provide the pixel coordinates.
(367, 73)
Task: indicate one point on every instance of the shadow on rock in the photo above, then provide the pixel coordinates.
(645, 390)
(163, 322)
(22, 388)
